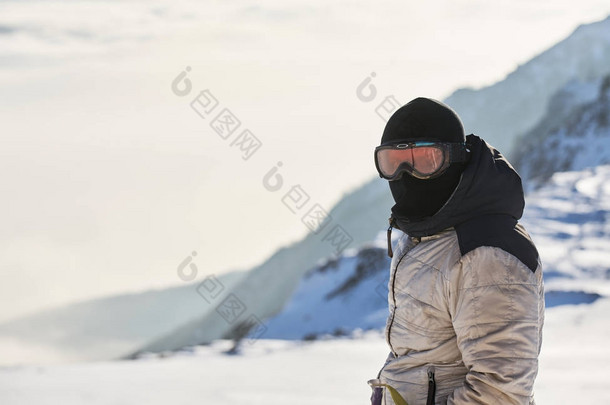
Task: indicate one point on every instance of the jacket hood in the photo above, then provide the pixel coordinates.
(489, 185)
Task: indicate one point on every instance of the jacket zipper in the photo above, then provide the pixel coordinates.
(431, 387)
(394, 299)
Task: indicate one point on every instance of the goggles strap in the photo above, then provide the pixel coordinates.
(458, 152)
(392, 222)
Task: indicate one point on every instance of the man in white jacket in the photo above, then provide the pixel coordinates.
(466, 295)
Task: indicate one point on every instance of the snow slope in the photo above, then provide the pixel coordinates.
(511, 107)
(569, 219)
(573, 370)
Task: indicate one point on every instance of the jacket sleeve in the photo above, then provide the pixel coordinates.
(497, 309)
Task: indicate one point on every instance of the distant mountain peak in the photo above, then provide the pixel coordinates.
(573, 135)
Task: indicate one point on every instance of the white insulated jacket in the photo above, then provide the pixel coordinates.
(467, 301)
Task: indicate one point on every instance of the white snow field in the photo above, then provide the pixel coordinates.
(573, 370)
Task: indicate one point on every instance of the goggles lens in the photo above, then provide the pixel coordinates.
(422, 160)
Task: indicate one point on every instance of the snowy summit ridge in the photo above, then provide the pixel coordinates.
(511, 107)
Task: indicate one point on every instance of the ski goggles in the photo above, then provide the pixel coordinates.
(420, 159)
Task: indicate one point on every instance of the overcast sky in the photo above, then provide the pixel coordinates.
(110, 178)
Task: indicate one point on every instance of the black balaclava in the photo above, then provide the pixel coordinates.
(424, 118)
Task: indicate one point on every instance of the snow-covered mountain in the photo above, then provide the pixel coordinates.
(511, 107)
(568, 219)
(265, 290)
(498, 113)
(574, 133)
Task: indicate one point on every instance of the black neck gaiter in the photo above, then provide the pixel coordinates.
(416, 199)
